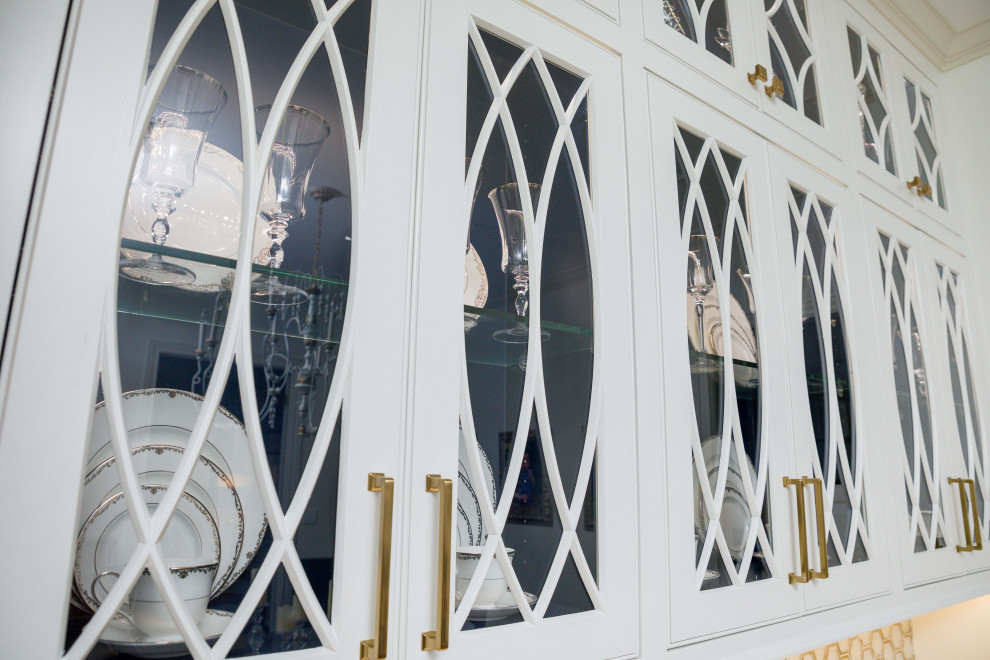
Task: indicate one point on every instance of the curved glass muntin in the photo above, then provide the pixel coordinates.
(233, 339)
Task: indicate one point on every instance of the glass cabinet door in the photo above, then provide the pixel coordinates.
(731, 551)
(792, 43)
(868, 83)
(230, 429)
(929, 515)
(524, 372)
(962, 353)
(821, 253)
(713, 36)
(923, 135)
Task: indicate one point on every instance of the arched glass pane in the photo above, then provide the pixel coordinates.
(791, 50)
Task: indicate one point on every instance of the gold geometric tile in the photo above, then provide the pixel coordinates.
(887, 643)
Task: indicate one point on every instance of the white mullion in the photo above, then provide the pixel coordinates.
(727, 561)
(584, 570)
(474, 459)
(707, 547)
(307, 598)
(546, 442)
(474, 586)
(748, 548)
(788, 65)
(115, 598)
(702, 20)
(553, 575)
(513, 581)
(550, 89)
(256, 590)
(161, 574)
(333, 13)
(803, 76)
(163, 68)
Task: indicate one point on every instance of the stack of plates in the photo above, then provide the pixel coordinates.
(220, 515)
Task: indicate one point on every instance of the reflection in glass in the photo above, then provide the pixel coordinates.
(186, 109)
(283, 197)
(874, 117)
(701, 21)
(793, 55)
(912, 396)
(723, 350)
(925, 143)
(498, 429)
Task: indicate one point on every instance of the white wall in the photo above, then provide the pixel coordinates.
(966, 95)
(959, 632)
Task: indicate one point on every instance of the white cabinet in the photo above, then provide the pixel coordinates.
(539, 329)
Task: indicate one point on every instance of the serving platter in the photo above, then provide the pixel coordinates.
(735, 517)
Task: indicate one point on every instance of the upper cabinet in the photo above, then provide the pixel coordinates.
(771, 54)
(896, 112)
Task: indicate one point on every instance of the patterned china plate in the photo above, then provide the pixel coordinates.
(735, 517)
(501, 609)
(470, 523)
(475, 285)
(131, 641)
(172, 414)
(107, 540)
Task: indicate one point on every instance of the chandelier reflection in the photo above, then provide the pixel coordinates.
(317, 323)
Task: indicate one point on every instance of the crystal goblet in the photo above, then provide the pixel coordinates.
(186, 109)
(515, 256)
(700, 282)
(283, 199)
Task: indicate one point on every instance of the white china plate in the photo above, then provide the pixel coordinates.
(164, 459)
(107, 540)
(178, 410)
(133, 642)
(475, 285)
(735, 517)
(207, 218)
(501, 609)
(743, 339)
(470, 523)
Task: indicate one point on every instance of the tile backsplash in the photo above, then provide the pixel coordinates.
(887, 643)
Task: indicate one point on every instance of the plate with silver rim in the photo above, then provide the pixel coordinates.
(133, 642)
(735, 517)
(503, 608)
(148, 413)
(207, 219)
(475, 285)
(470, 522)
(218, 486)
(107, 539)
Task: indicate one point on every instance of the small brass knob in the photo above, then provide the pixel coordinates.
(759, 73)
(775, 87)
(925, 190)
(915, 182)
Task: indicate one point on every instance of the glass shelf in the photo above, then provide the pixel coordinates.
(189, 306)
(482, 348)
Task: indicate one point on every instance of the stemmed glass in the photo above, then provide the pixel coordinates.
(700, 282)
(283, 199)
(185, 111)
(515, 258)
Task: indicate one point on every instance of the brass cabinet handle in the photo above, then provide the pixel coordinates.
(915, 183)
(439, 639)
(759, 73)
(977, 536)
(375, 649)
(962, 502)
(802, 531)
(925, 190)
(822, 540)
(775, 87)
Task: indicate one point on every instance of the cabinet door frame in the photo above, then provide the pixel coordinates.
(826, 135)
(937, 253)
(696, 614)
(904, 70)
(854, 581)
(936, 564)
(439, 352)
(695, 55)
(844, 67)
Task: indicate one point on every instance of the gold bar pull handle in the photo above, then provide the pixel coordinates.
(962, 502)
(776, 86)
(977, 535)
(802, 531)
(439, 639)
(759, 73)
(822, 539)
(375, 649)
